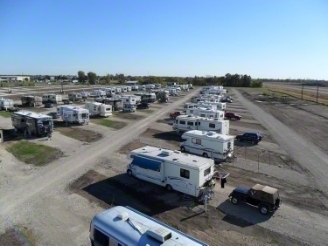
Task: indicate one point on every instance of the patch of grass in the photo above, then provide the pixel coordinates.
(17, 236)
(5, 114)
(148, 111)
(36, 154)
(109, 123)
(80, 134)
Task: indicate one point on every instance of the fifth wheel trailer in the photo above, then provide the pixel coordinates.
(188, 174)
(208, 144)
(71, 114)
(99, 109)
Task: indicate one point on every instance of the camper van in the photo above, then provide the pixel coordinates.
(185, 123)
(32, 123)
(208, 144)
(205, 112)
(73, 114)
(126, 226)
(188, 174)
(98, 109)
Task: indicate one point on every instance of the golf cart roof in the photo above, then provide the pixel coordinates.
(266, 189)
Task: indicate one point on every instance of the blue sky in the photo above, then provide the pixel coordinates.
(271, 39)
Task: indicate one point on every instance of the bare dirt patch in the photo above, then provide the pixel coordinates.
(241, 123)
(109, 123)
(80, 134)
(17, 236)
(214, 228)
(129, 116)
(126, 149)
(171, 137)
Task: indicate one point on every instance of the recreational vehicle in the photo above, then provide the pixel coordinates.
(6, 103)
(192, 106)
(126, 226)
(131, 99)
(147, 97)
(215, 105)
(74, 96)
(98, 109)
(158, 86)
(135, 87)
(129, 88)
(98, 93)
(190, 86)
(51, 98)
(128, 107)
(32, 123)
(31, 101)
(85, 94)
(73, 114)
(205, 112)
(188, 174)
(185, 123)
(117, 103)
(118, 90)
(150, 87)
(208, 144)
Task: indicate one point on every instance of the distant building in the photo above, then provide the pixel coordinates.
(131, 82)
(10, 78)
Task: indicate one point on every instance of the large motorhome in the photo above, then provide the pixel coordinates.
(147, 97)
(126, 226)
(208, 144)
(99, 109)
(205, 112)
(116, 102)
(31, 101)
(51, 98)
(98, 93)
(188, 174)
(131, 99)
(74, 96)
(32, 123)
(217, 105)
(196, 105)
(185, 123)
(71, 114)
(6, 103)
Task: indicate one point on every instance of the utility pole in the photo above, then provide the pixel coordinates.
(317, 96)
(302, 91)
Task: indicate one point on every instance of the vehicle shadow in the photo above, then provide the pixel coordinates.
(128, 191)
(244, 144)
(10, 135)
(168, 136)
(242, 214)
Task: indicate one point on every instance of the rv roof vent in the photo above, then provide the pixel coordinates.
(160, 234)
(165, 153)
(123, 216)
(194, 160)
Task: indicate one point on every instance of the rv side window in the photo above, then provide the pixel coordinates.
(196, 141)
(190, 123)
(202, 115)
(184, 173)
(211, 125)
(101, 238)
(182, 122)
(229, 145)
(207, 171)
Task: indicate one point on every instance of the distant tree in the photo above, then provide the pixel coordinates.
(92, 78)
(47, 77)
(81, 76)
(107, 79)
(121, 78)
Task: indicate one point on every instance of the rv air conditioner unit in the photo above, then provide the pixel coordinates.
(160, 234)
(123, 216)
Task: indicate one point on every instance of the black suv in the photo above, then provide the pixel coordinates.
(265, 198)
(143, 105)
(253, 137)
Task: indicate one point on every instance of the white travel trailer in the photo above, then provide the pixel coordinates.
(205, 112)
(74, 96)
(118, 90)
(54, 98)
(85, 94)
(191, 106)
(110, 92)
(158, 86)
(120, 226)
(189, 174)
(124, 89)
(135, 87)
(99, 109)
(71, 114)
(98, 93)
(185, 123)
(6, 103)
(208, 144)
(217, 105)
(150, 87)
(128, 107)
(32, 123)
(190, 86)
(173, 92)
(31, 101)
(129, 88)
(131, 99)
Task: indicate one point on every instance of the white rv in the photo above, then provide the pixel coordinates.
(191, 106)
(6, 103)
(205, 112)
(189, 174)
(128, 107)
(31, 101)
(85, 94)
(150, 86)
(129, 88)
(208, 144)
(131, 99)
(185, 123)
(32, 123)
(73, 114)
(98, 93)
(217, 105)
(118, 90)
(190, 86)
(99, 109)
(135, 87)
(74, 96)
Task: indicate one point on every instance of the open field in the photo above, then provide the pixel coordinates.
(56, 202)
(31, 153)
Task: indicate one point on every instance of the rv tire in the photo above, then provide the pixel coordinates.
(183, 149)
(129, 172)
(205, 155)
(168, 187)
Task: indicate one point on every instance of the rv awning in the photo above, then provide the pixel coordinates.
(146, 163)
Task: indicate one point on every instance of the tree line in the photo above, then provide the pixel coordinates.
(235, 80)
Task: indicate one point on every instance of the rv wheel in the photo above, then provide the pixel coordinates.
(205, 155)
(168, 187)
(129, 173)
(183, 149)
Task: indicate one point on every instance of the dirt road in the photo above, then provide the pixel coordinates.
(309, 156)
(37, 194)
